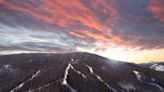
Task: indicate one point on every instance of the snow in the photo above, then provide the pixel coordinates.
(157, 67)
(35, 74)
(41, 87)
(6, 67)
(99, 78)
(149, 83)
(23, 83)
(90, 69)
(70, 66)
(64, 79)
(64, 82)
(137, 75)
(127, 86)
(78, 72)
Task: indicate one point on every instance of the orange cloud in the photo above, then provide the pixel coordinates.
(69, 14)
(2, 1)
(157, 8)
(96, 36)
(60, 12)
(66, 13)
(74, 34)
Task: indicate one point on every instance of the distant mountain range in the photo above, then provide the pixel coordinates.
(77, 72)
(158, 66)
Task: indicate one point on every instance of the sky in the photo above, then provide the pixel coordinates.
(125, 30)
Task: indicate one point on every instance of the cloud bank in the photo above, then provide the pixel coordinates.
(67, 25)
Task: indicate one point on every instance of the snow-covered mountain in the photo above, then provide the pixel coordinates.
(158, 66)
(75, 72)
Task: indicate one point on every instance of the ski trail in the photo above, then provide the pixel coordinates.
(99, 78)
(22, 84)
(64, 81)
(138, 76)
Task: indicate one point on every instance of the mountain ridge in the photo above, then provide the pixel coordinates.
(75, 72)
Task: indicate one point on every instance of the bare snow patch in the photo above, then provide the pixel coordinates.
(157, 67)
(127, 86)
(6, 68)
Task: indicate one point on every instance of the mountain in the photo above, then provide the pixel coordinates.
(75, 72)
(158, 66)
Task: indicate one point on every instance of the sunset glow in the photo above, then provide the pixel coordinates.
(131, 31)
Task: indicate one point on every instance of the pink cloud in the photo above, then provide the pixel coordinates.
(156, 7)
